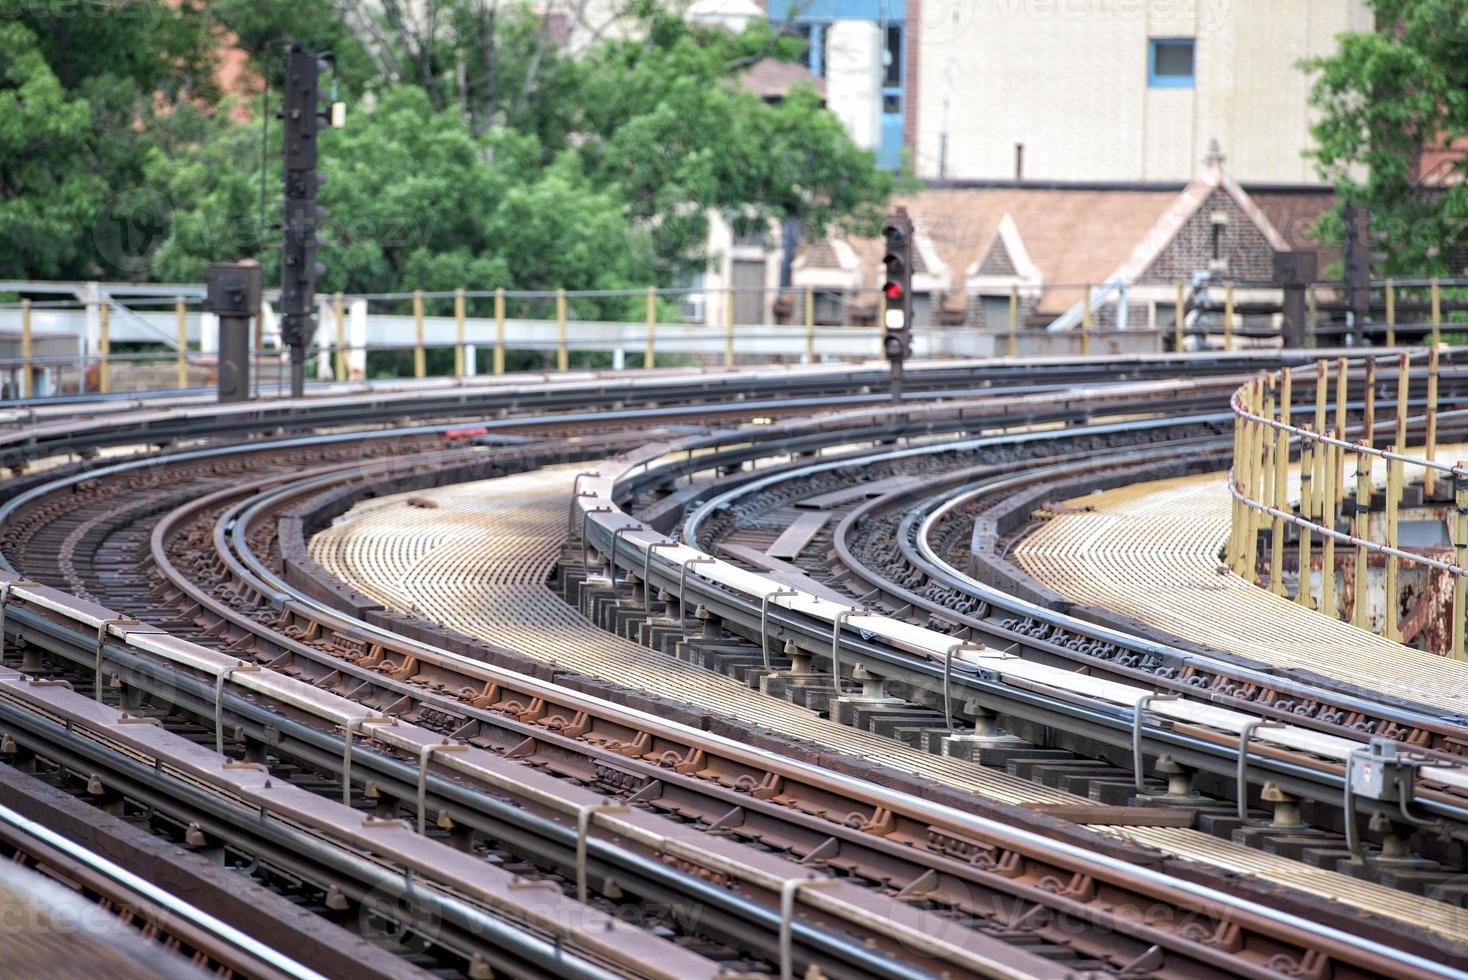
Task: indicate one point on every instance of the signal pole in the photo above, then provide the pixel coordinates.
(897, 325)
(298, 266)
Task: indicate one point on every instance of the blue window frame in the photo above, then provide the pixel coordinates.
(812, 19)
(1170, 62)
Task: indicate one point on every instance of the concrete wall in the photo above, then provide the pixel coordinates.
(1068, 79)
(853, 78)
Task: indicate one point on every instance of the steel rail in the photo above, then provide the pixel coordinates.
(1402, 712)
(254, 830)
(1313, 779)
(470, 804)
(38, 432)
(246, 952)
(237, 522)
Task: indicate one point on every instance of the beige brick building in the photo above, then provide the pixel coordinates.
(1117, 90)
(1075, 90)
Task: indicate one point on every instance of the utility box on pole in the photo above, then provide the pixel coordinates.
(232, 293)
(1295, 271)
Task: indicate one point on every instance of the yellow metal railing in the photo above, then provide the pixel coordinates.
(1267, 421)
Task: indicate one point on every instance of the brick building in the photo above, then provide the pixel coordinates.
(976, 244)
(1069, 90)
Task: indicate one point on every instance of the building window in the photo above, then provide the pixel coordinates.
(892, 56)
(814, 38)
(1170, 62)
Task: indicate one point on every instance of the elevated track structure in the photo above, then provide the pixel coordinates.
(692, 674)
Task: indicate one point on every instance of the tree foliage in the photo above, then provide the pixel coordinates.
(1383, 97)
(480, 151)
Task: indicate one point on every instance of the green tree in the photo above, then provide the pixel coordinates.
(48, 195)
(1384, 96)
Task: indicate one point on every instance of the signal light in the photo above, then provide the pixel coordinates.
(897, 260)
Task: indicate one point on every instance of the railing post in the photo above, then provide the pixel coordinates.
(1245, 466)
(26, 349)
(1236, 477)
(1086, 321)
(1280, 502)
(1368, 395)
(1437, 312)
(1179, 303)
(104, 349)
(1322, 393)
(1257, 478)
(1013, 321)
(339, 311)
(649, 354)
(499, 330)
(1429, 478)
(563, 359)
(1331, 503)
(1393, 493)
(458, 333)
(182, 315)
(1460, 550)
(1404, 393)
(1363, 508)
(1391, 314)
(1312, 316)
(420, 362)
(1228, 315)
(1286, 395)
(1341, 390)
(810, 325)
(729, 328)
(1308, 452)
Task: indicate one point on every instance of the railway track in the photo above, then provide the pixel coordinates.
(215, 555)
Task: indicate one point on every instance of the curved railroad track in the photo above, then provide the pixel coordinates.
(209, 544)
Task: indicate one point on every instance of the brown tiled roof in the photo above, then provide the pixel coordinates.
(1294, 213)
(1072, 236)
(772, 79)
(821, 255)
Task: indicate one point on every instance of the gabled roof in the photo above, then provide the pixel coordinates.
(1006, 255)
(1171, 221)
(1065, 237)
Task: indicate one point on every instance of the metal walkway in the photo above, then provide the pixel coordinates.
(1150, 551)
(475, 557)
(478, 564)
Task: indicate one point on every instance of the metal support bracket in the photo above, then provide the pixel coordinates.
(576, 494)
(101, 643)
(788, 892)
(948, 679)
(617, 536)
(355, 725)
(424, 755)
(220, 680)
(841, 618)
(1137, 710)
(1245, 734)
(764, 622)
(5, 588)
(683, 589)
(584, 817)
(647, 571)
(585, 554)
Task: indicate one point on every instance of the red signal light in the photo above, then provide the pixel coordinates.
(893, 290)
